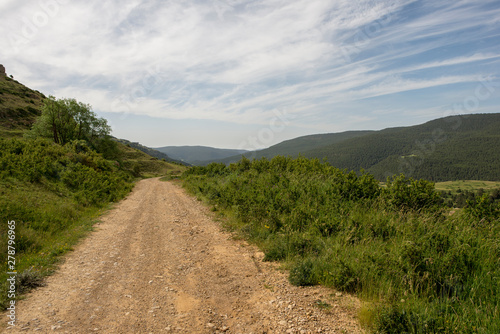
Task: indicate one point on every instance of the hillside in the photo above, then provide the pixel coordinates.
(149, 151)
(461, 147)
(141, 164)
(451, 148)
(296, 146)
(53, 193)
(198, 154)
(19, 106)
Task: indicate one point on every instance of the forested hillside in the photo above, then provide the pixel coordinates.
(452, 148)
(295, 147)
(460, 147)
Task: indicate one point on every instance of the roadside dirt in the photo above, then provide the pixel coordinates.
(158, 263)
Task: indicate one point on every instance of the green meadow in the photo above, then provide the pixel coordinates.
(471, 185)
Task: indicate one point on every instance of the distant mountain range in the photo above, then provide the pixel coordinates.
(462, 147)
(294, 147)
(197, 155)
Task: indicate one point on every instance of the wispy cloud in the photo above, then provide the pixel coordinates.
(238, 60)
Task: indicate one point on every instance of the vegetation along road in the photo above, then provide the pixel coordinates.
(158, 263)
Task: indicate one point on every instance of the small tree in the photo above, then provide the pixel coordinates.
(409, 194)
(65, 120)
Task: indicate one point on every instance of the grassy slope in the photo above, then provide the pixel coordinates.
(19, 106)
(54, 194)
(142, 164)
(150, 151)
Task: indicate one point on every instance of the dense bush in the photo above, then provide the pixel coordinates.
(409, 194)
(422, 270)
(50, 191)
(74, 168)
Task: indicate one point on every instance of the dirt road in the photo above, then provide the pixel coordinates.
(158, 263)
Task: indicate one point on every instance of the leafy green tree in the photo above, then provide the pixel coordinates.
(65, 120)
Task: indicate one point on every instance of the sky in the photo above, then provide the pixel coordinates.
(250, 74)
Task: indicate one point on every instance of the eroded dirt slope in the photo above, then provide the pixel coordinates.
(158, 263)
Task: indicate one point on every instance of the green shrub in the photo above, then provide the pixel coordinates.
(483, 208)
(409, 194)
(427, 271)
(50, 191)
(276, 248)
(302, 273)
(393, 320)
(343, 277)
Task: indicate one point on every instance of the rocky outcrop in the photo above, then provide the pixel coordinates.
(2, 71)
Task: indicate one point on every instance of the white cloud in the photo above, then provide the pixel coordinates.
(237, 60)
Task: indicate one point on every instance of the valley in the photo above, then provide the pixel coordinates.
(317, 234)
